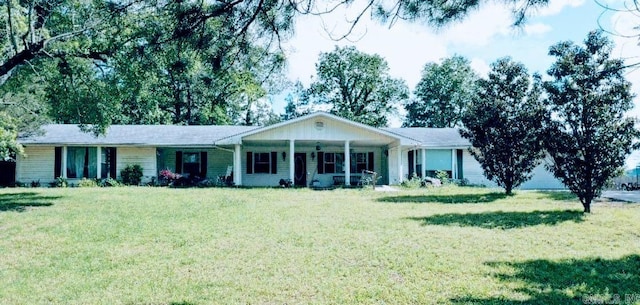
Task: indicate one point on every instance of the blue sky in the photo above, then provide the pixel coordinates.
(483, 37)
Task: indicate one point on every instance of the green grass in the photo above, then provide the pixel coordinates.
(277, 246)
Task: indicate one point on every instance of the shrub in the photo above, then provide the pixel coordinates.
(414, 182)
(443, 176)
(87, 183)
(132, 174)
(168, 177)
(107, 182)
(35, 183)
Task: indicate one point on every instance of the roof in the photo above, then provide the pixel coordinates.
(433, 137)
(139, 135)
(234, 139)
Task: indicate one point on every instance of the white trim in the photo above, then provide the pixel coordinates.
(237, 165)
(347, 164)
(423, 169)
(292, 164)
(63, 164)
(99, 162)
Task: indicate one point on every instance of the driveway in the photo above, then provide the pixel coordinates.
(628, 196)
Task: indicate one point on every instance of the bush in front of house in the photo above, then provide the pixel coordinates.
(87, 183)
(132, 174)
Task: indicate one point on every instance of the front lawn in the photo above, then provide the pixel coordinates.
(254, 246)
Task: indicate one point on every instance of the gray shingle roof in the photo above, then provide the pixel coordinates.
(433, 137)
(141, 135)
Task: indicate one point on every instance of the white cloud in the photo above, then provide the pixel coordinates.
(480, 27)
(480, 66)
(556, 6)
(537, 29)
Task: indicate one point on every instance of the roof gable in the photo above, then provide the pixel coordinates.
(319, 126)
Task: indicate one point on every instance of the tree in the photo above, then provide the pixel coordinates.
(589, 137)
(505, 123)
(442, 94)
(356, 86)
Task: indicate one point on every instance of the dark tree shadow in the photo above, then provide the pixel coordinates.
(450, 199)
(559, 195)
(501, 220)
(19, 202)
(575, 281)
(181, 303)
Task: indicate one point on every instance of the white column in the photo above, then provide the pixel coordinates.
(347, 164)
(292, 161)
(423, 171)
(99, 162)
(454, 171)
(399, 157)
(237, 168)
(64, 162)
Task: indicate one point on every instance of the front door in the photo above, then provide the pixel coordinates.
(300, 178)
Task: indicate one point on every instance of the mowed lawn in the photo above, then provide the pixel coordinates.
(141, 245)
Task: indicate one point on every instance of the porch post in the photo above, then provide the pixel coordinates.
(99, 162)
(399, 157)
(424, 163)
(454, 171)
(237, 170)
(292, 161)
(64, 162)
(347, 164)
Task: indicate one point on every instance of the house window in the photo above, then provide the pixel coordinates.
(81, 162)
(108, 162)
(262, 162)
(193, 164)
(361, 161)
(333, 163)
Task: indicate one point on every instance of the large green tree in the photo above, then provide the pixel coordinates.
(357, 86)
(505, 124)
(442, 95)
(589, 137)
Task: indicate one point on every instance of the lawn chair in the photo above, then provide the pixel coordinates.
(227, 178)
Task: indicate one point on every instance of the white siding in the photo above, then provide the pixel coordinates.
(393, 165)
(39, 165)
(143, 156)
(333, 130)
(542, 179)
(472, 171)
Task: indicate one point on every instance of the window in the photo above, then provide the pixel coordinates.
(333, 163)
(191, 163)
(108, 162)
(262, 162)
(81, 162)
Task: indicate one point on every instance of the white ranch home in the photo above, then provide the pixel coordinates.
(319, 149)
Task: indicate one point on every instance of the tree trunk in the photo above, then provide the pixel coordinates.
(587, 205)
(508, 190)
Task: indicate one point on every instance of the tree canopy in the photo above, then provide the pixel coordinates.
(442, 95)
(504, 124)
(589, 136)
(356, 86)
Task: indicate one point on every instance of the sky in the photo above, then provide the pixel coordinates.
(483, 37)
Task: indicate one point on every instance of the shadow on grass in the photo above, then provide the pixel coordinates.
(558, 195)
(450, 199)
(181, 303)
(575, 281)
(19, 202)
(501, 220)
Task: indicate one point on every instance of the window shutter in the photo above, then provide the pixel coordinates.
(178, 162)
(57, 168)
(320, 163)
(274, 162)
(203, 164)
(112, 162)
(370, 163)
(249, 162)
(411, 161)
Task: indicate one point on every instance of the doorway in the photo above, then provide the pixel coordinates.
(7, 173)
(300, 178)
